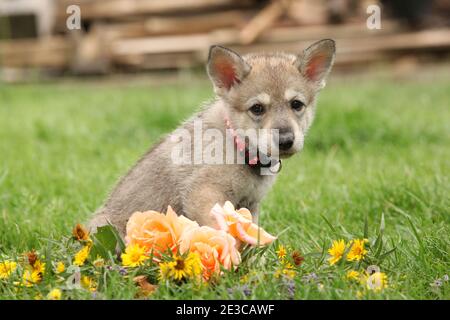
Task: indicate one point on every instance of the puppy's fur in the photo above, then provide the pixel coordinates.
(272, 81)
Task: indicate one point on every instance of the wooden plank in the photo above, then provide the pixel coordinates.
(181, 51)
(52, 52)
(171, 44)
(192, 59)
(426, 39)
(348, 50)
(158, 61)
(308, 12)
(95, 9)
(201, 41)
(350, 31)
(176, 25)
(264, 19)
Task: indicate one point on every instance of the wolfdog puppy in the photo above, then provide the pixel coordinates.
(276, 92)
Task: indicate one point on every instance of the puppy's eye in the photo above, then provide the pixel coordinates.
(257, 109)
(297, 105)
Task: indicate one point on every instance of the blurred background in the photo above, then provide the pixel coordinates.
(135, 36)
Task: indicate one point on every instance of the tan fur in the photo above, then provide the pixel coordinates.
(156, 182)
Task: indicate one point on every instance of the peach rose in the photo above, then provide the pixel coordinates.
(215, 247)
(239, 224)
(157, 231)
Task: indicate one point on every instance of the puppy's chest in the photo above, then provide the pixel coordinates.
(248, 190)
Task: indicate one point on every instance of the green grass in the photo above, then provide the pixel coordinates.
(378, 146)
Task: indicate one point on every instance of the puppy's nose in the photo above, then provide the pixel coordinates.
(286, 139)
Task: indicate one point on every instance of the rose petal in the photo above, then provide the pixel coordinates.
(239, 224)
(264, 237)
(217, 213)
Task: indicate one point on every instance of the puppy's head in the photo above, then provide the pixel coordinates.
(272, 91)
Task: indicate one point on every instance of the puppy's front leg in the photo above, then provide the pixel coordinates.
(199, 201)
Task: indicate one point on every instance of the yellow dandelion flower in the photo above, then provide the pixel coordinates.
(353, 275)
(281, 252)
(278, 273)
(336, 251)
(377, 281)
(54, 294)
(60, 267)
(81, 256)
(31, 277)
(33, 274)
(194, 265)
(134, 256)
(6, 268)
(39, 267)
(181, 267)
(284, 272)
(288, 265)
(89, 283)
(289, 273)
(357, 250)
(244, 278)
(165, 269)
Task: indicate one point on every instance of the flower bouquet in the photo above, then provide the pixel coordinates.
(192, 250)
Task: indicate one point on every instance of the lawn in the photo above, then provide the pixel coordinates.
(379, 146)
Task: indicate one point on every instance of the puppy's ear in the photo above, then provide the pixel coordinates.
(317, 60)
(226, 68)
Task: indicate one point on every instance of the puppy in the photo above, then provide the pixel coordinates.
(208, 159)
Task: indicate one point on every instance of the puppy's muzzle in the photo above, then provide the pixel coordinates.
(285, 139)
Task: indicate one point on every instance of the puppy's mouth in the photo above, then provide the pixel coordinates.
(275, 152)
(282, 154)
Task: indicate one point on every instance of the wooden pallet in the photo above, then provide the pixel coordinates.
(171, 34)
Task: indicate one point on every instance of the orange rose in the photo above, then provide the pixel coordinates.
(239, 224)
(157, 231)
(215, 247)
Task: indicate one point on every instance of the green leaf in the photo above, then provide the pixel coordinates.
(329, 224)
(105, 242)
(380, 232)
(416, 234)
(323, 254)
(119, 239)
(384, 255)
(380, 247)
(379, 242)
(366, 227)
